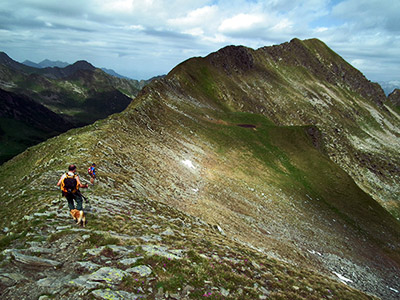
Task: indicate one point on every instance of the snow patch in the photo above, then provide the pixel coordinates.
(188, 164)
(342, 278)
(314, 252)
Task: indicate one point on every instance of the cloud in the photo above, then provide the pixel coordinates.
(241, 22)
(195, 18)
(370, 14)
(149, 37)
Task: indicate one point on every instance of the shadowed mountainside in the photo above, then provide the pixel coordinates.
(79, 94)
(247, 174)
(24, 123)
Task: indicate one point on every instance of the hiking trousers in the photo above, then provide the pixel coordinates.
(77, 198)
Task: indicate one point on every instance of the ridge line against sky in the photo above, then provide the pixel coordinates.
(142, 39)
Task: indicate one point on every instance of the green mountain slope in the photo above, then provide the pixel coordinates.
(227, 179)
(305, 83)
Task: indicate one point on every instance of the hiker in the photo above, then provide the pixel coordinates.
(92, 172)
(70, 185)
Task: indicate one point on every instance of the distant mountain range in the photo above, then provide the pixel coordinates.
(78, 94)
(389, 86)
(60, 64)
(46, 64)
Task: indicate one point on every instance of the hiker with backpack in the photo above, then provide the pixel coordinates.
(70, 184)
(92, 172)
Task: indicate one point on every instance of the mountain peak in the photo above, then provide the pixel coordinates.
(315, 56)
(4, 58)
(394, 97)
(83, 65)
(233, 59)
(50, 63)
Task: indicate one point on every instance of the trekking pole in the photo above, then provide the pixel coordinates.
(86, 199)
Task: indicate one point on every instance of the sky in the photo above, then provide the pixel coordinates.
(146, 38)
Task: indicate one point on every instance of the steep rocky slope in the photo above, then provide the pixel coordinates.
(234, 177)
(394, 97)
(303, 83)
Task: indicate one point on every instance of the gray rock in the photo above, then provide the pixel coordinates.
(45, 214)
(60, 228)
(108, 275)
(65, 245)
(129, 261)
(224, 292)
(53, 283)
(168, 232)
(141, 270)
(10, 279)
(264, 291)
(34, 261)
(151, 238)
(35, 249)
(83, 282)
(116, 249)
(34, 244)
(87, 265)
(187, 290)
(160, 294)
(114, 295)
(161, 251)
(94, 251)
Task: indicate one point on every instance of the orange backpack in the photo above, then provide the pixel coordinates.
(69, 185)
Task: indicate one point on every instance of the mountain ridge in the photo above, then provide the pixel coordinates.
(60, 64)
(264, 154)
(309, 107)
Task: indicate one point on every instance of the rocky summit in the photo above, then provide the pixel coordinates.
(246, 174)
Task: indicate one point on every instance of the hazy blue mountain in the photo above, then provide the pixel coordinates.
(46, 64)
(389, 86)
(113, 73)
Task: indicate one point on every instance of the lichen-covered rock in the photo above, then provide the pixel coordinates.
(129, 261)
(141, 270)
(114, 295)
(108, 275)
(87, 266)
(162, 251)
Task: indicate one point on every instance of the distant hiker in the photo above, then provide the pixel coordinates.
(92, 172)
(70, 185)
